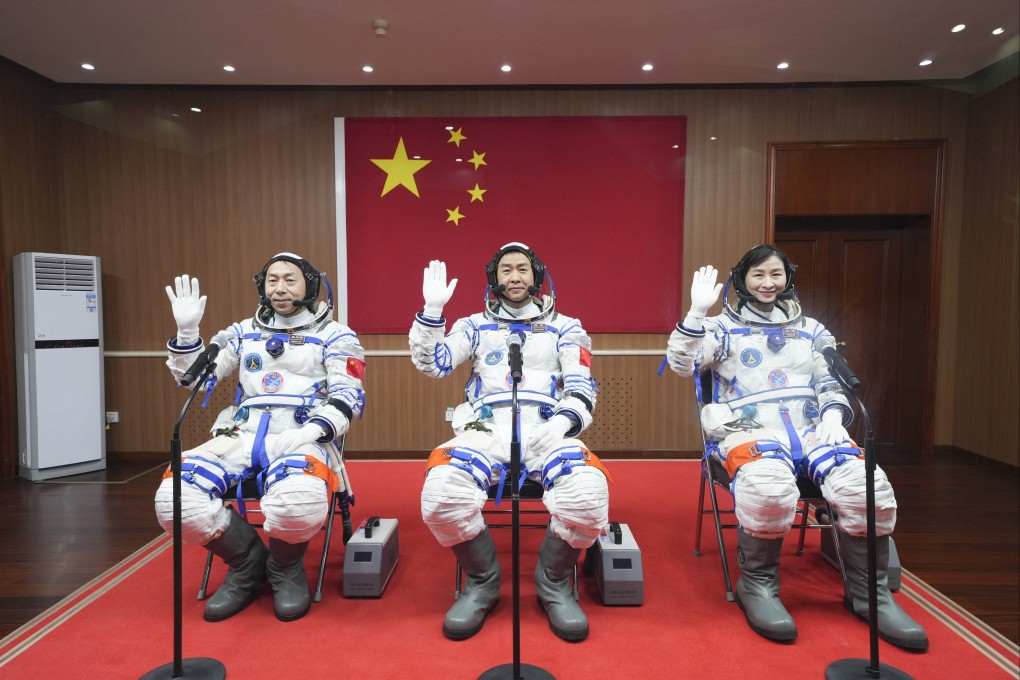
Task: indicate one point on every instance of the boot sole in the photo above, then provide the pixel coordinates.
(286, 618)
(912, 645)
(568, 635)
(217, 619)
(768, 635)
(465, 634)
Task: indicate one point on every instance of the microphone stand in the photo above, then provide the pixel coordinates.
(852, 669)
(197, 668)
(516, 670)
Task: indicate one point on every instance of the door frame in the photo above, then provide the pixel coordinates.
(934, 255)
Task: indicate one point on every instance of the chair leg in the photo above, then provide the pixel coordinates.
(701, 515)
(835, 542)
(730, 597)
(202, 590)
(803, 527)
(317, 595)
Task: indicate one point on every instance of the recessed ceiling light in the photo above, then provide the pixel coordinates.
(925, 62)
(998, 31)
(88, 67)
(505, 68)
(959, 27)
(647, 67)
(783, 65)
(713, 138)
(229, 68)
(196, 109)
(367, 69)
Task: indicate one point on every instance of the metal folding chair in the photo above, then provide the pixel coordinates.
(339, 505)
(714, 475)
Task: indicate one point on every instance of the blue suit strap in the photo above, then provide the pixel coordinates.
(284, 337)
(259, 457)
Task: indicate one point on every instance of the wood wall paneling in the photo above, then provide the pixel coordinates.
(216, 193)
(985, 418)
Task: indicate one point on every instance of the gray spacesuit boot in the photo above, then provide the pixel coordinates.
(481, 591)
(758, 588)
(894, 625)
(556, 561)
(245, 554)
(286, 571)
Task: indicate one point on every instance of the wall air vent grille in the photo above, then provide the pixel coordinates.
(64, 273)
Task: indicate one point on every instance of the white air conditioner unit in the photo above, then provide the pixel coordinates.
(58, 322)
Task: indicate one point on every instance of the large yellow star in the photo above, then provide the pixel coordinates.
(477, 159)
(476, 194)
(400, 170)
(456, 136)
(455, 216)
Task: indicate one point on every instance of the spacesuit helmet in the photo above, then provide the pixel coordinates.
(754, 257)
(311, 275)
(537, 268)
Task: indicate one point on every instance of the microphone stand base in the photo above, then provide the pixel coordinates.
(852, 669)
(198, 668)
(506, 672)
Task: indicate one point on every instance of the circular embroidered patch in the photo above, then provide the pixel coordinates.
(750, 357)
(494, 357)
(510, 381)
(272, 382)
(253, 362)
(777, 378)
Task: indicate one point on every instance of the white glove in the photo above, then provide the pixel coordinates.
(290, 440)
(549, 433)
(435, 289)
(830, 430)
(187, 305)
(704, 290)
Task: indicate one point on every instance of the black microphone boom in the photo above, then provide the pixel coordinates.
(198, 367)
(514, 342)
(840, 368)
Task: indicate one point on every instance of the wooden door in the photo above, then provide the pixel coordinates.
(860, 277)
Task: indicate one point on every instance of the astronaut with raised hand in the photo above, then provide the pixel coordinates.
(556, 395)
(778, 414)
(300, 376)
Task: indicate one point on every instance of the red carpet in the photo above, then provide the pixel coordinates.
(121, 625)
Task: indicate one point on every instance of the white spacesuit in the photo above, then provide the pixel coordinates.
(556, 395)
(300, 384)
(776, 413)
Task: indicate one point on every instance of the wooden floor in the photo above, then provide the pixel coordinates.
(958, 530)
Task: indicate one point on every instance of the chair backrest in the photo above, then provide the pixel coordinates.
(704, 391)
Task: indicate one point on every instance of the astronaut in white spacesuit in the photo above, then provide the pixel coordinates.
(779, 414)
(300, 376)
(556, 395)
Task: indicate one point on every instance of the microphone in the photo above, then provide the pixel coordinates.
(514, 342)
(839, 368)
(200, 364)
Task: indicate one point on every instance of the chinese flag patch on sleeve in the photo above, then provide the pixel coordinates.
(356, 368)
(585, 357)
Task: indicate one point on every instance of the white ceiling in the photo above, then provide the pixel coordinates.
(464, 42)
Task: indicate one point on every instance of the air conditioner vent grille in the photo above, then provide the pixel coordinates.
(64, 273)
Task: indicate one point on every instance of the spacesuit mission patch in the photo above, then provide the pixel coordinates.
(750, 357)
(272, 382)
(494, 357)
(253, 362)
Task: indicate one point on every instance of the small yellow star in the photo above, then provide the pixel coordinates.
(455, 216)
(400, 170)
(456, 136)
(476, 194)
(477, 159)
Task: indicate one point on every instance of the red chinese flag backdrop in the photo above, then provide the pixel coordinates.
(600, 200)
